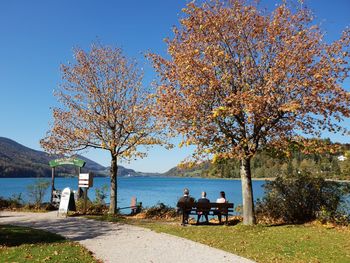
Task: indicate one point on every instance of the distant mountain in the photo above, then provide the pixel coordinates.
(17, 160)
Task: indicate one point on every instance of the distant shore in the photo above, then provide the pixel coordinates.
(235, 179)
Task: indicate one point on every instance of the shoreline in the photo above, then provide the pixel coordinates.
(157, 176)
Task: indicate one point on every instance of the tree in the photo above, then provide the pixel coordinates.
(104, 106)
(345, 165)
(240, 79)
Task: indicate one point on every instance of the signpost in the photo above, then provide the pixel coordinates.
(67, 201)
(85, 181)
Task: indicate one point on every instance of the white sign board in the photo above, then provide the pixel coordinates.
(64, 203)
(85, 180)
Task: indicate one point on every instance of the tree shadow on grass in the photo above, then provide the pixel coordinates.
(233, 222)
(230, 222)
(19, 235)
(286, 224)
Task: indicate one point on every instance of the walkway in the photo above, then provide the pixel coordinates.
(115, 242)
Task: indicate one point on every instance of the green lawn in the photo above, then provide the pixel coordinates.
(290, 243)
(23, 244)
(287, 243)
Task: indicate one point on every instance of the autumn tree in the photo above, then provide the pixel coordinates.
(240, 79)
(103, 106)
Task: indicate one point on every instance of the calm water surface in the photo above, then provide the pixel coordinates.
(148, 190)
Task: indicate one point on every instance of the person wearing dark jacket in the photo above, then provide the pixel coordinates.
(185, 205)
(203, 200)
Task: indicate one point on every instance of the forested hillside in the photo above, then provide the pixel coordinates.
(265, 165)
(17, 160)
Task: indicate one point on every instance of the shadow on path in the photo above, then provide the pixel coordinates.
(73, 228)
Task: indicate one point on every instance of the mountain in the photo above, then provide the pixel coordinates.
(17, 160)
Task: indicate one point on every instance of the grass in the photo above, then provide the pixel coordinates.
(262, 243)
(23, 244)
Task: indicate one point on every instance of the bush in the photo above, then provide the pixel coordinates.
(303, 198)
(101, 195)
(36, 191)
(15, 201)
(91, 207)
(160, 211)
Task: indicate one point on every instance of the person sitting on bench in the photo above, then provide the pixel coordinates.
(185, 204)
(220, 200)
(203, 200)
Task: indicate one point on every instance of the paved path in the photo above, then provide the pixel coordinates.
(114, 242)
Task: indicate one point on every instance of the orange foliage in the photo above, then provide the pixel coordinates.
(240, 78)
(103, 106)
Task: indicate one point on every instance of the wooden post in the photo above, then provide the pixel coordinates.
(52, 183)
(85, 199)
(79, 188)
(133, 205)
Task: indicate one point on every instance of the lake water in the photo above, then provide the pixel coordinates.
(148, 190)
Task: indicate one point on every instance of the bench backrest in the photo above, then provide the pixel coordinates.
(204, 207)
(222, 207)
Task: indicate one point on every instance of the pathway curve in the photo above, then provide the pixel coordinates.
(116, 242)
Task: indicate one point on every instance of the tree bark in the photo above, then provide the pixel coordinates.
(247, 192)
(113, 190)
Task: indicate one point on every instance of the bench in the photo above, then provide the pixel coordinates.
(225, 209)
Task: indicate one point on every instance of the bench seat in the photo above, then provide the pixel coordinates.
(225, 209)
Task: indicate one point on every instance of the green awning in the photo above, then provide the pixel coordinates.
(64, 161)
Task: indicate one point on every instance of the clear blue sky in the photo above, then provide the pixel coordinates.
(37, 36)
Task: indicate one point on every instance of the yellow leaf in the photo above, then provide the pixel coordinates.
(215, 158)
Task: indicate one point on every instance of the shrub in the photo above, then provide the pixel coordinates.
(101, 195)
(92, 208)
(36, 191)
(15, 201)
(160, 211)
(303, 198)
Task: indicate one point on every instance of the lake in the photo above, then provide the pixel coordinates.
(148, 190)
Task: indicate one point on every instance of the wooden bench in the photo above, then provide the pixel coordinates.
(225, 209)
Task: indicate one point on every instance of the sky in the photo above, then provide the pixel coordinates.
(36, 37)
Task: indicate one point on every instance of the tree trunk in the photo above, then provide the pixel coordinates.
(113, 192)
(247, 192)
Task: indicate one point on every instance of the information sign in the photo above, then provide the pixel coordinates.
(85, 180)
